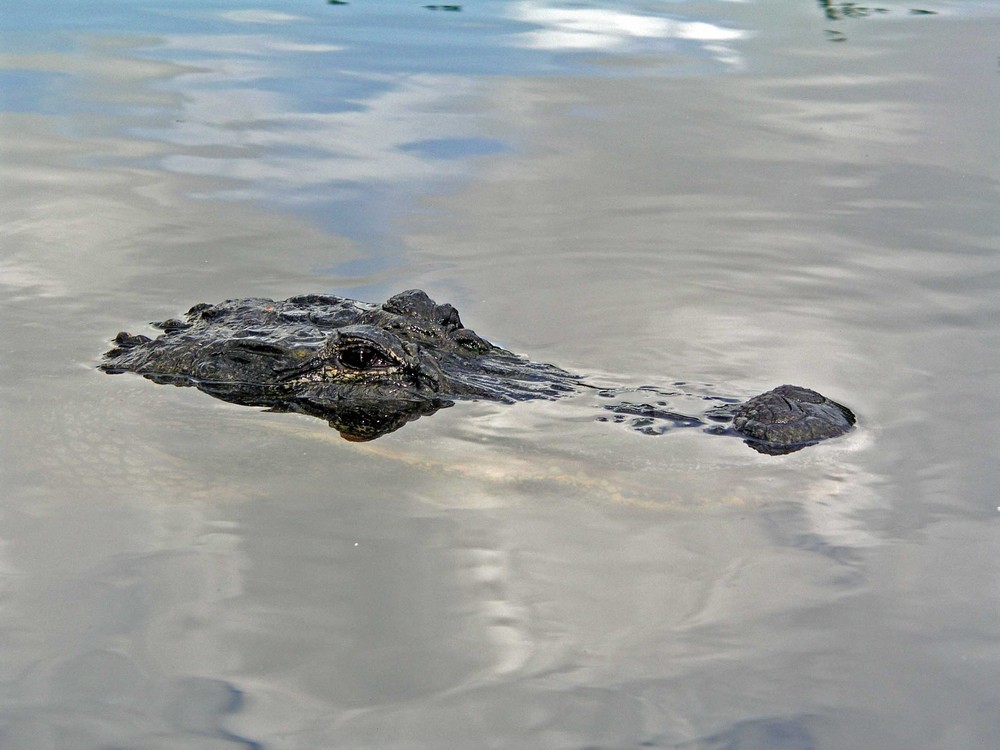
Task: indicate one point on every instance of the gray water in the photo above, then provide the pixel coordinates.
(734, 195)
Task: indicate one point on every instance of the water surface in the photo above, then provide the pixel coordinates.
(732, 195)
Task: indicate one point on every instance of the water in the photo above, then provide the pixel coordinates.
(733, 194)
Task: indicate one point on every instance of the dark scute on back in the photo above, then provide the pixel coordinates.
(788, 418)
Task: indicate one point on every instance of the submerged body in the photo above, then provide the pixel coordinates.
(368, 369)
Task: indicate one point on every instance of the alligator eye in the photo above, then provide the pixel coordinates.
(364, 357)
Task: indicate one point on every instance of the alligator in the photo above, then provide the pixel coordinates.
(368, 369)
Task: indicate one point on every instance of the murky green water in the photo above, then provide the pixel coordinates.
(735, 194)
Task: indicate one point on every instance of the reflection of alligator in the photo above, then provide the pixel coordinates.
(369, 369)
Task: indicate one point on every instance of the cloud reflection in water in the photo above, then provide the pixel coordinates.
(249, 117)
(286, 153)
(605, 30)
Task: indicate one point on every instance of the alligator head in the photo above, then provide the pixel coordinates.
(366, 369)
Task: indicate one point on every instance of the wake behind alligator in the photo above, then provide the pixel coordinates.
(369, 369)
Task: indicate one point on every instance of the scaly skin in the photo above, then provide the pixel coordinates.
(369, 369)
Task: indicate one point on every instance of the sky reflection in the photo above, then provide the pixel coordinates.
(307, 113)
(581, 28)
(347, 113)
(285, 152)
